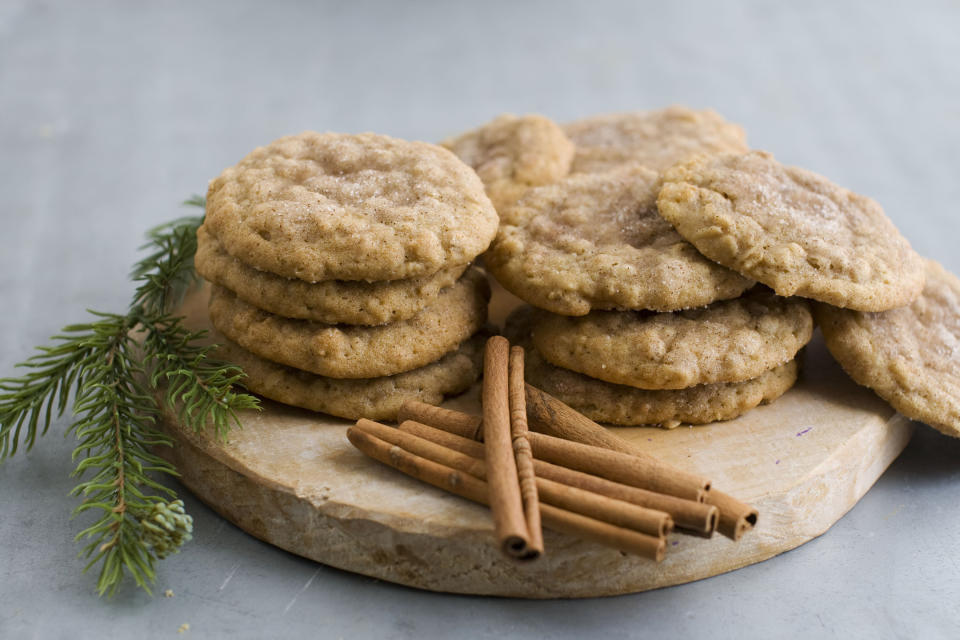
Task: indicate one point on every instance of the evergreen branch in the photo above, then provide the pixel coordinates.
(167, 272)
(119, 388)
(43, 393)
(202, 388)
(116, 414)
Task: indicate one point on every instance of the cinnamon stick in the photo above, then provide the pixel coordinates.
(462, 424)
(576, 500)
(688, 515)
(467, 486)
(425, 448)
(694, 517)
(603, 533)
(521, 449)
(552, 417)
(736, 518)
(444, 477)
(506, 503)
(445, 438)
(644, 472)
(616, 512)
(611, 455)
(548, 415)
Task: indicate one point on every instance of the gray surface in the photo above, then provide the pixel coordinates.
(113, 112)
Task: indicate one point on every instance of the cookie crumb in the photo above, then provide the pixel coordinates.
(168, 593)
(184, 628)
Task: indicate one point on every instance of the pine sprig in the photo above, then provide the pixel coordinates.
(167, 272)
(116, 413)
(201, 388)
(116, 381)
(30, 402)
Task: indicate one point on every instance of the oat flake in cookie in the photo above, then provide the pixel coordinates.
(909, 356)
(334, 206)
(655, 139)
(596, 241)
(629, 406)
(512, 154)
(792, 230)
(728, 341)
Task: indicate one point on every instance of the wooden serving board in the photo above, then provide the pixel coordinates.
(290, 478)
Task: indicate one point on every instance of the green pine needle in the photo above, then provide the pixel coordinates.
(119, 389)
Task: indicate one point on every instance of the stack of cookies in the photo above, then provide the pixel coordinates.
(641, 265)
(668, 270)
(889, 317)
(341, 271)
(631, 324)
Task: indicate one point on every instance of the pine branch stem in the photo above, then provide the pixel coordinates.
(121, 482)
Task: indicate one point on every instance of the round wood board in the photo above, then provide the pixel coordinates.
(290, 478)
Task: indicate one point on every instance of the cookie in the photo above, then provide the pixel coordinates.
(596, 241)
(512, 154)
(628, 406)
(330, 206)
(909, 356)
(348, 351)
(329, 301)
(655, 139)
(373, 398)
(792, 230)
(728, 341)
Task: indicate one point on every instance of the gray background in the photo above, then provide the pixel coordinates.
(113, 112)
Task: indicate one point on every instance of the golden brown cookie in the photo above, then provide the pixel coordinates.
(910, 356)
(373, 398)
(792, 230)
(655, 139)
(348, 351)
(330, 206)
(512, 154)
(729, 341)
(330, 301)
(596, 241)
(629, 406)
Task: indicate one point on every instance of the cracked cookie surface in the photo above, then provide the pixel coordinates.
(792, 230)
(330, 206)
(596, 241)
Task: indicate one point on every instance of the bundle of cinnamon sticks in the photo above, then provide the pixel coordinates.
(568, 471)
